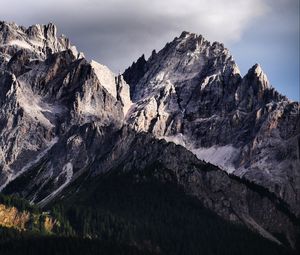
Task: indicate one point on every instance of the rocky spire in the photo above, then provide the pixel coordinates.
(39, 40)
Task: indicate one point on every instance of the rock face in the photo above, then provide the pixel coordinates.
(191, 92)
(46, 88)
(115, 85)
(64, 120)
(90, 151)
(38, 41)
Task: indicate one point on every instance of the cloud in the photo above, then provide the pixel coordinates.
(116, 32)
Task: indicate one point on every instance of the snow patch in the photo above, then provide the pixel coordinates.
(221, 156)
(178, 139)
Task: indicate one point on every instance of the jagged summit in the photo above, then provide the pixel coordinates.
(46, 88)
(257, 71)
(188, 57)
(198, 38)
(192, 93)
(39, 40)
(184, 34)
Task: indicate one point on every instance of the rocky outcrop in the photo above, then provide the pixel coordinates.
(44, 93)
(115, 85)
(135, 72)
(123, 94)
(191, 92)
(39, 40)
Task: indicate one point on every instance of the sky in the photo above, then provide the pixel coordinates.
(117, 32)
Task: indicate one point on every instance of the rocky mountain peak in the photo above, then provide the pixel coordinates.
(114, 84)
(105, 76)
(38, 31)
(191, 93)
(190, 42)
(135, 72)
(196, 43)
(46, 89)
(188, 57)
(255, 90)
(184, 34)
(38, 40)
(257, 72)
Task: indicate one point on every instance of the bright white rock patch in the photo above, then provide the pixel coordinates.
(221, 156)
(105, 77)
(177, 139)
(34, 106)
(20, 44)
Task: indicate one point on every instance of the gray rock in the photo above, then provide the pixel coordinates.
(43, 94)
(191, 92)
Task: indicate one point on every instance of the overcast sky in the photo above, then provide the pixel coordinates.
(117, 32)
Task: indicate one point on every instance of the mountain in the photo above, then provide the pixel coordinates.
(192, 93)
(85, 144)
(57, 89)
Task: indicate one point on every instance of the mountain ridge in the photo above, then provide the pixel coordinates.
(63, 117)
(204, 104)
